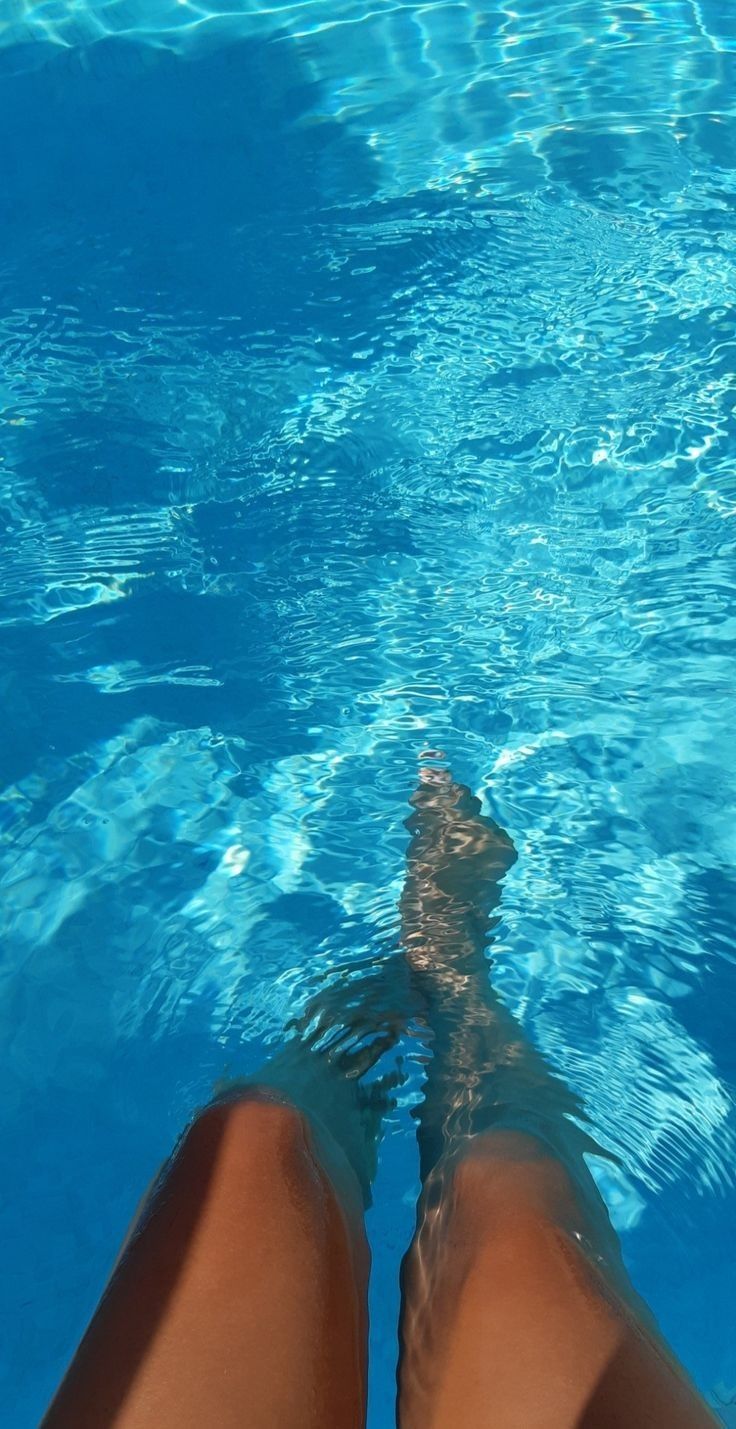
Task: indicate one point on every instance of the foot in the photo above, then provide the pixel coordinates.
(484, 1072)
(455, 862)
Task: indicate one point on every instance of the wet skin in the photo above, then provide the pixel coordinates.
(241, 1297)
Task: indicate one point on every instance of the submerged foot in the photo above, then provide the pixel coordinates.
(455, 862)
(484, 1073)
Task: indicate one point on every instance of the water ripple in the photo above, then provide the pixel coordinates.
(367, 383)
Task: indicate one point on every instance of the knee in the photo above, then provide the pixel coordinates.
(252, 1123)
(510, 1173)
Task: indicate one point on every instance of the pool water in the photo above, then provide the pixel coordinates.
(366, 382)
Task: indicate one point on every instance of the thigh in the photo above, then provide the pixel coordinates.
(241, 1297)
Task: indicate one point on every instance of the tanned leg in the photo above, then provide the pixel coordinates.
(517, 1312)
(240, 1299)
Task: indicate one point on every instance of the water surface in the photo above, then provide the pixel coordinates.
(366, 381)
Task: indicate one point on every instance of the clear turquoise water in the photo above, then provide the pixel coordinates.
(366, 381)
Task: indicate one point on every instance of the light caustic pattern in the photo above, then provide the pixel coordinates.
(367, 382)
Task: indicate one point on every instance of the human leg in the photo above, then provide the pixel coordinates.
(240, 1299)
(517, 1311)
(512, 1319)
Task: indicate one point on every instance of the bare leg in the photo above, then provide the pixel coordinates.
(517, 1310)
(240, 1299)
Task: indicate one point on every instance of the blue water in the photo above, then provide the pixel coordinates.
(366, 381)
